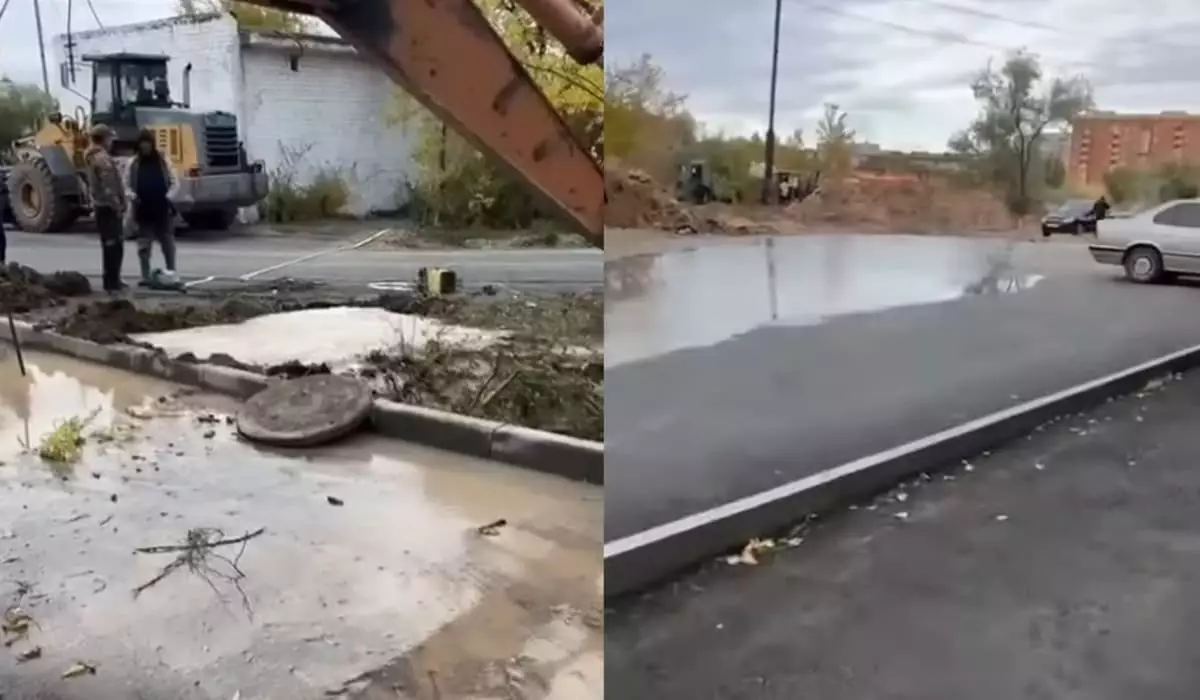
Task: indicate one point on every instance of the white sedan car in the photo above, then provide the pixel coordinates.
(1154, 244)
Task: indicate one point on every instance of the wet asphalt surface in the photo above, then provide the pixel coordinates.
(761, 403)
(350, 271)
(1062, 567)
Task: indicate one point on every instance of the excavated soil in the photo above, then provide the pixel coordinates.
(927, 205)
(24, 289)
(115, 320)
(884, 204)
(635, 200)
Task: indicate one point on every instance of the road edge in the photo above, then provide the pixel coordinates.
(538, 450)
(638, 561)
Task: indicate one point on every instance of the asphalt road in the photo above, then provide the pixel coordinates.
(567, 269)
(689, 429)
(1062, 567)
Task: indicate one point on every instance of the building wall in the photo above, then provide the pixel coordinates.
(329, 114)
(1103, 142)
(210, 44)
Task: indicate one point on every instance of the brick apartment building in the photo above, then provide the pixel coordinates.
(1102, 141)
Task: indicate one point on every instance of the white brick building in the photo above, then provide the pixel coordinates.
(303, 103)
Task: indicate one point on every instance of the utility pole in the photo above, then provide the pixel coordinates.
(769, 191)
(37, 17)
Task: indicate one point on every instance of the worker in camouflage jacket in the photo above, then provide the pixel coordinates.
(108, 205)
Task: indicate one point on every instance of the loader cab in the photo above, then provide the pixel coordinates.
(123, 82)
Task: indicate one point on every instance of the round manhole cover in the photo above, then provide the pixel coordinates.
(308, 411)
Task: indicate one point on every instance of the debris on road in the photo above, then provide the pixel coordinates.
(750, 553)
(29, 654)
(334, 501)
(79, 668)
(195, 554)
(493, 528)
(16, 625)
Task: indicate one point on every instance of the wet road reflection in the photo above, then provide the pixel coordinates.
(659, 303)
(393, 582)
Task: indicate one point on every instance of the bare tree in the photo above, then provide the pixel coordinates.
(1015, 111)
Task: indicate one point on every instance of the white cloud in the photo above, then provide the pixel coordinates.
(902, 89)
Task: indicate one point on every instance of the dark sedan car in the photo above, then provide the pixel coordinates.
(1073, 217)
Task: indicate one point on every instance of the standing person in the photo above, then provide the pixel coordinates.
(3, 235)
(1100, 208)
(108, 205)
(151, 185)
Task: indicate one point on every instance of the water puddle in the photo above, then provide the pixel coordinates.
(371, 558)
(658, 303)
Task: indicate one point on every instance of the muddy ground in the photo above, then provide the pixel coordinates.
(547, 375)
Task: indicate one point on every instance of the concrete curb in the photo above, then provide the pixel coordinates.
(579, 460)
(640, 560)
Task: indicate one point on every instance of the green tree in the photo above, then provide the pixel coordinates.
(456, 185)
(248, 16)
(835, 141)
(1016, 107)
(22, 109)
(646, 125)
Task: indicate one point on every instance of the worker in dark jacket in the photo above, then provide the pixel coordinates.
(151, 184)
(1100, 208)
(108, 205)
(3, 235)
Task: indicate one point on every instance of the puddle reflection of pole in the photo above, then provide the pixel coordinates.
(772, 283)
(16, 341)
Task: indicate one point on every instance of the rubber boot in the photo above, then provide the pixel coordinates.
(144, 263)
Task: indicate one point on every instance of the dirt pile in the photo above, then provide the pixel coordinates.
(24, 289)
(635, 200)
(115, 320)
(928, 205)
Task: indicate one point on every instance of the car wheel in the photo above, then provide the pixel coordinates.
(1045, 232)
(1144, 264)
(1076, 229)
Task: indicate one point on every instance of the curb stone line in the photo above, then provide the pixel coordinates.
(638, 561)
(539, 450)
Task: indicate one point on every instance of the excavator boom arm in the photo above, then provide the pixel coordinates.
(446, 55)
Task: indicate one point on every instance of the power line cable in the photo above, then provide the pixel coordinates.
(95, 15)
(3, 8)
(947, 37)
(1028, 24)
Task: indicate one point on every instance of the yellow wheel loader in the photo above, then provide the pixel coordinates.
(48, 186)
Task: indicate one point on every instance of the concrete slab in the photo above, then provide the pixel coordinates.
(693, 428)
(371, 572)
(1063, 566)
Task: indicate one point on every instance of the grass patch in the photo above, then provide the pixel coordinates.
(64, 444)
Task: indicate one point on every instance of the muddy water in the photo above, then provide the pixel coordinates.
(392, 594)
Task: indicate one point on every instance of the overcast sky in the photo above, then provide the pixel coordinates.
(901, 89)
(18, 30)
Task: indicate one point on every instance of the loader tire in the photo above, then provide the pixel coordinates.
(37, 201)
